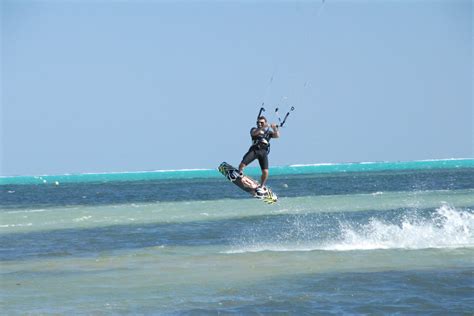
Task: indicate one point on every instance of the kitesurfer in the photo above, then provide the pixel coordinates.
(260, 149)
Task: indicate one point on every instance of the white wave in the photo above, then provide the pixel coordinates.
(315, 164)
(17, 225)
(446, 159)
(82, 219)
(274, 248)
(376, 162)
(377, 193)
(339, 164)
(446, 228)
(27, 211)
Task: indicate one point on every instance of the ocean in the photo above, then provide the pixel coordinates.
(354, 238)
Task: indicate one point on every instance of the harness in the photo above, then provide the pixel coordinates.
(262, 141)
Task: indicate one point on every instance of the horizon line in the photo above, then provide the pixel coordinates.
(209, 169)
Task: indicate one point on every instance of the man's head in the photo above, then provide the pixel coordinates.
(262, 121)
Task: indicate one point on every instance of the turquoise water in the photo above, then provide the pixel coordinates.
(380, 238)
(212, 173)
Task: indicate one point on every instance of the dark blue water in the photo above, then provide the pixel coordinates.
(107, 193)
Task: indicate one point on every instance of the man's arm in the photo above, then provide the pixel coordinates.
(257, 131)
(276, 132)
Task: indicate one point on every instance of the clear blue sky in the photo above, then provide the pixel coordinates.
(99, 86)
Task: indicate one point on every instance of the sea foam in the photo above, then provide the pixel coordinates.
(447, 227)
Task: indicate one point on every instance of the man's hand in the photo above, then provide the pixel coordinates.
(276, 133)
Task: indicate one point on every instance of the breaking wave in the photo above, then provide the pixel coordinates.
(444, 228)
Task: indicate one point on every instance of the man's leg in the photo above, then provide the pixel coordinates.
(248, 158)
(263, 161)
(264, 177)
(241, 167)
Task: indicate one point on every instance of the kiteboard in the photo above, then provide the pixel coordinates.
(246, 183)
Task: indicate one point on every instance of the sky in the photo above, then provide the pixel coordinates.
(110, 86)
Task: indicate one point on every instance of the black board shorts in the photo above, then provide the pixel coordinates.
(256, 153)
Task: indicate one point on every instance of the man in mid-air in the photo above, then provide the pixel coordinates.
(260, 149)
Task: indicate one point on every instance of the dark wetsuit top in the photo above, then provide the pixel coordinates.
(259, 149)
